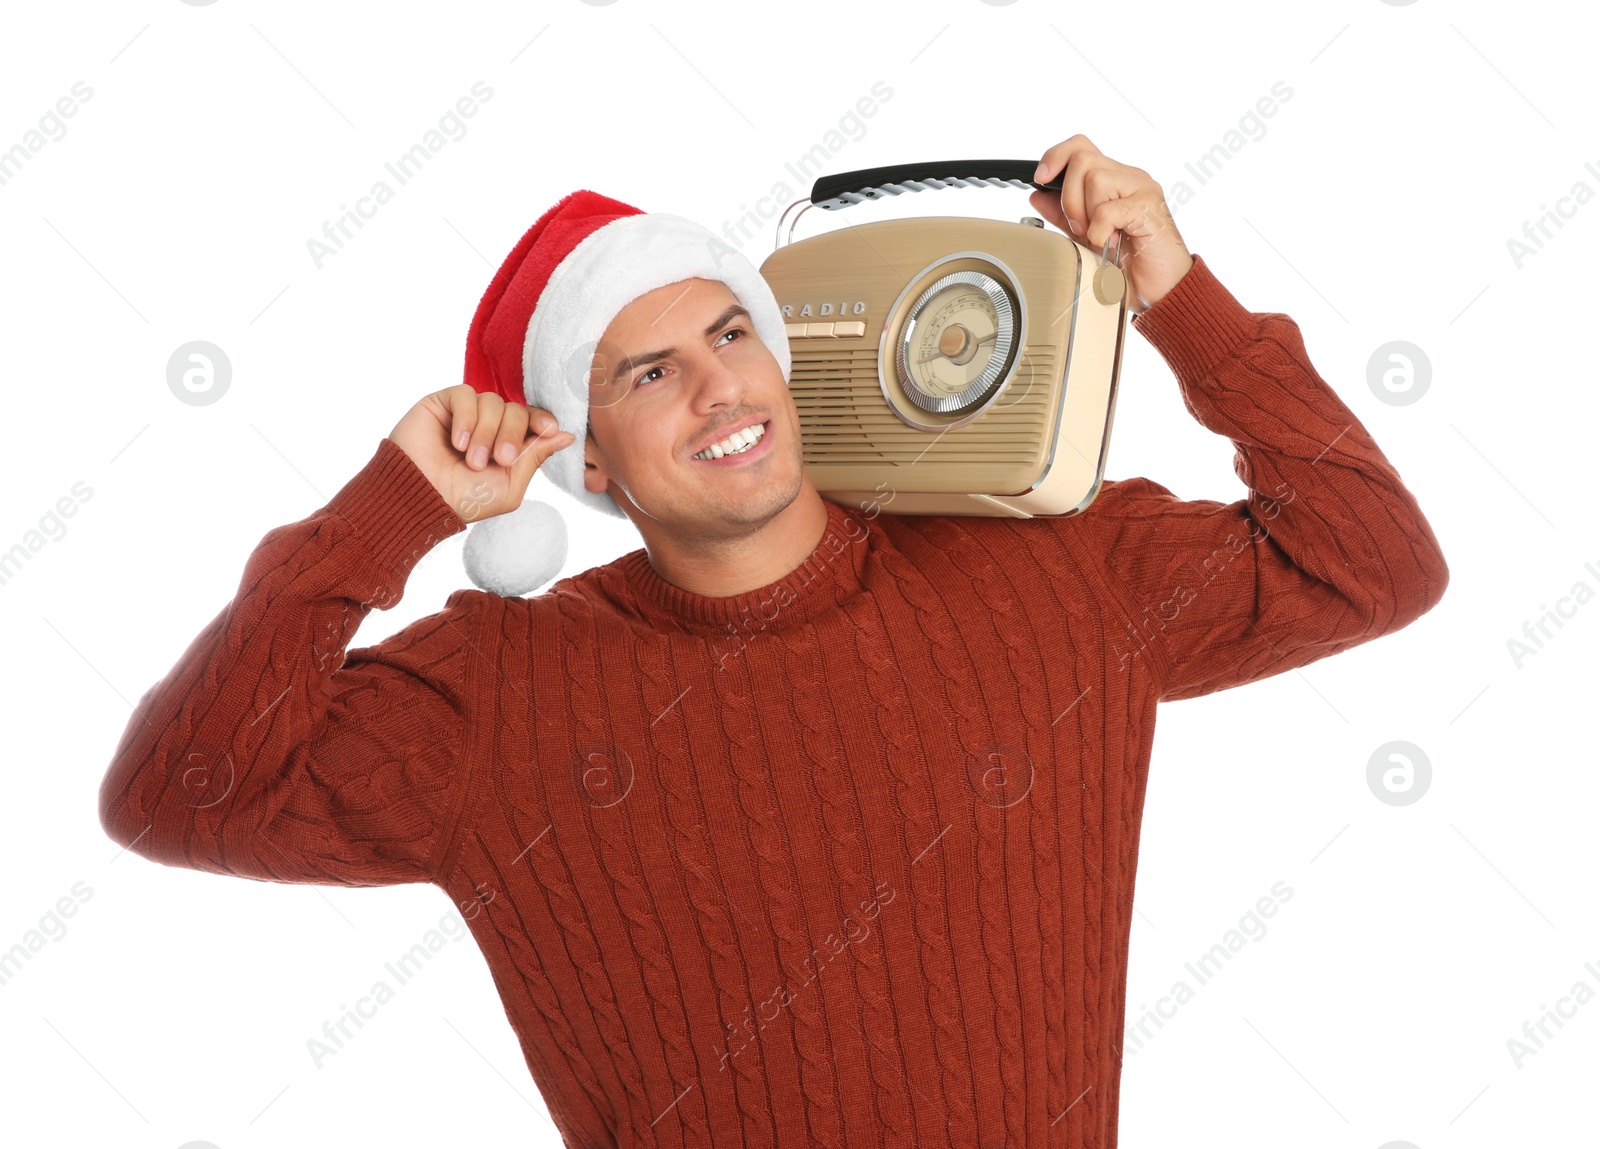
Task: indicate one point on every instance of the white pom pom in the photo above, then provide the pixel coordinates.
(514, 553)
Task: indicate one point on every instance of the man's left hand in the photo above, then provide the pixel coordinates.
(1101, 197)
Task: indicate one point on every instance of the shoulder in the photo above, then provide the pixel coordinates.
(588, 593)
(1116, 499)
(1073, 553)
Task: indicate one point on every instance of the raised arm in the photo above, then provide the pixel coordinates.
(268, 752)
(1326, 550)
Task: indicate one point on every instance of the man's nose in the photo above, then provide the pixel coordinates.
(714, 380)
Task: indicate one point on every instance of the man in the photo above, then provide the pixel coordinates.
(802, 825)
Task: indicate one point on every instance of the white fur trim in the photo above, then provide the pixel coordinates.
(512, 554)
(608, 270)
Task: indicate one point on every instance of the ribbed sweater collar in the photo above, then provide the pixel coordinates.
(830, 575)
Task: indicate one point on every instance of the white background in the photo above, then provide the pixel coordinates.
(1378, 205)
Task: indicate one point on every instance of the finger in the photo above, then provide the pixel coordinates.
(1069, 159)
(1048, 205)
(533, 454)
(1049, 208)
(540, 420)
(1056, 158)
(513, 429)
(1136, 217)
(463, 402)
(1090, 180)
(490, 407)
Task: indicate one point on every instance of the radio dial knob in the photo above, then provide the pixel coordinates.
(1109, 283)
(953, 340)
(956, 341)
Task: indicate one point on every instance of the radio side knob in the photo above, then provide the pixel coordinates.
(1109, 285)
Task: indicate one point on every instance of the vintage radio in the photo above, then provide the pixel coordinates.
(950, 365)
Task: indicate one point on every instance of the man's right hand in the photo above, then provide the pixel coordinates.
(477, 449)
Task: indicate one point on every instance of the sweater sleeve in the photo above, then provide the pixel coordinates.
(1327, 549)
(270, 753)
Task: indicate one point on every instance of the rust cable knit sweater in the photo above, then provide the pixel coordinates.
(844, 861)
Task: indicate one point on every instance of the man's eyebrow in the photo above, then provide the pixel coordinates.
(630, 362)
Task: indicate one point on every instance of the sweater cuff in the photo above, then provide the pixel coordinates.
(397, 513)
(1197, 324)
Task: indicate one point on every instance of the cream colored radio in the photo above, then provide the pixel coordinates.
(950, 365)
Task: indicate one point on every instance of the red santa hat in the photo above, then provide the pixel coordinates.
(535, 332)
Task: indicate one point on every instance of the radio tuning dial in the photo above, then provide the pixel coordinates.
(956, 341)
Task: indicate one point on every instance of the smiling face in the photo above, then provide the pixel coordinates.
(678, 370)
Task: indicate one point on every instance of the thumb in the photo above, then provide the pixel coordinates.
(1048, 205)
(535, 451)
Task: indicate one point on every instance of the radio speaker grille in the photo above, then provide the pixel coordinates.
(847, 422)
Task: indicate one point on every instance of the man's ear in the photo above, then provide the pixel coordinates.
(594, 475)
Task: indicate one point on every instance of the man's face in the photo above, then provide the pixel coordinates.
(650, 415)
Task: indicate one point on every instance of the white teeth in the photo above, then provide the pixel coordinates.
(737, 443)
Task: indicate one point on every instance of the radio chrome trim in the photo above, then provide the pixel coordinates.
(1066, 375)
(1005, 323)
(1021, 338)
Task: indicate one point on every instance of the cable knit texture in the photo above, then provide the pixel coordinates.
(844, 861)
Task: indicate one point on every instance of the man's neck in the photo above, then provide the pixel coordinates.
(724, 567)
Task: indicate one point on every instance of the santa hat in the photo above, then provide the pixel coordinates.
(534, 335)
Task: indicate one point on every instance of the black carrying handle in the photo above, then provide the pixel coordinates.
(846, 188)
(835, 192)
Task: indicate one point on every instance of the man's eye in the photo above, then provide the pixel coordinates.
(645, 378)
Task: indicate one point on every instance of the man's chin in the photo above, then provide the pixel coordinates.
(762, 503)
